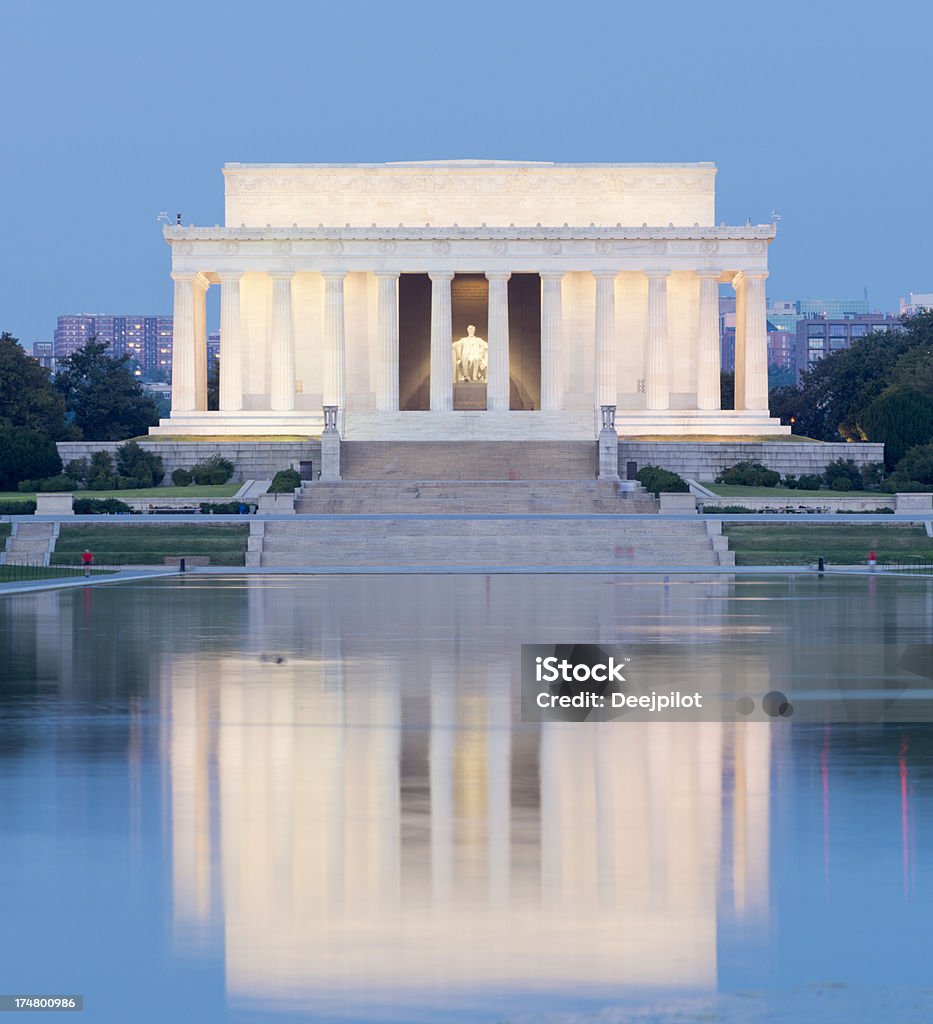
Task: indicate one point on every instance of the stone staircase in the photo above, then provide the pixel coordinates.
(441, 497)
(479, 543)
(30, 543)
(468, 460)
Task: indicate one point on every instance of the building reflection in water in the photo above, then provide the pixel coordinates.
(361, 814)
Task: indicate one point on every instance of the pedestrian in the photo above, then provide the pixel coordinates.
(872, 560)
(86, 559)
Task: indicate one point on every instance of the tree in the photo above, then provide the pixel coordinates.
(914, 370)
(780, 376)
(108, 402)
(833, 396)
(26, 455)
(916, 466)
(213, 385)
(27, 396)
(727, 390)
(901, 419)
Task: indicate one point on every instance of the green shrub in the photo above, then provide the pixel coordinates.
(17, 508)
(790, 481)
(28, 486)
(61, 482)
(102, 475)
(809, 482)
(749, 474)
(181, 477)
(286, 480)
(79, 471)
(652, 478)
(100, 506)
(223, 508)
(139, 464)
(845, 470)
(725, 510)
(213, 470)
(872, 474)
(865, 511)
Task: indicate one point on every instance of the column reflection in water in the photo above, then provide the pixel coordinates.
(386, 828)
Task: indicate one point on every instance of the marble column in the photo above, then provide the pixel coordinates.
(497, 392)
(199, 289)
(708, 357)
(183, 344)
(387, 330)
(552, 330)
(605, 385)
(657, 378)
(334, 340)
(231, 344)
(442, 360)
(754, 386)
(282, 396)
(738, 365)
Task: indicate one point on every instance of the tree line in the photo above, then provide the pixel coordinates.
(93, 397)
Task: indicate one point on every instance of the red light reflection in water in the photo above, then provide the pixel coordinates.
(824, 773)
(905, 815)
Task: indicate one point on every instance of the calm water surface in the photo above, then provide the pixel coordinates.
(311, 799)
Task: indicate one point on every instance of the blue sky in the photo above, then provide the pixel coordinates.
(112, 112)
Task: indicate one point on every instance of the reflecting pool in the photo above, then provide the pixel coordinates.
(312, 799)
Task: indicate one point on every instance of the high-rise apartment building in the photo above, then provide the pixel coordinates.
(148, 339)
(818, 336)
(44, 354)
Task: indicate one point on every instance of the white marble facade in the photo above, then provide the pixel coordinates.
(629, 259)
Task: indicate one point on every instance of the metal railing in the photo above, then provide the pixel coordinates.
(915, 565)
(20, 572)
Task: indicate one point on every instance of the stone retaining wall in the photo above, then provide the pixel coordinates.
(254, 460)
(870, 503)
(704, 460)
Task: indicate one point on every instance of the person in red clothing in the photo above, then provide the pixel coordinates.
(86, 559)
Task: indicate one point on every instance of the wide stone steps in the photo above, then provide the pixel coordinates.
(574, 497)
(362, 541)
(29, 544)
(468, 460)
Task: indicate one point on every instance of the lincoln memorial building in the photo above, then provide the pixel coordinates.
(469, 300)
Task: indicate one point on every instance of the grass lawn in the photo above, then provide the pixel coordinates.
(844, 544)
(148, 545)
(20, 573)
(738, 491)
(194, 491)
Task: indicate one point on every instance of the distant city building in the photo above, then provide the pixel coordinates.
(835, 308)
(915, 302)
(213, 346)
(782, 347)
(802, 331)
(783, 314)
(44, 354)
(148, 339)
(818, 336)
